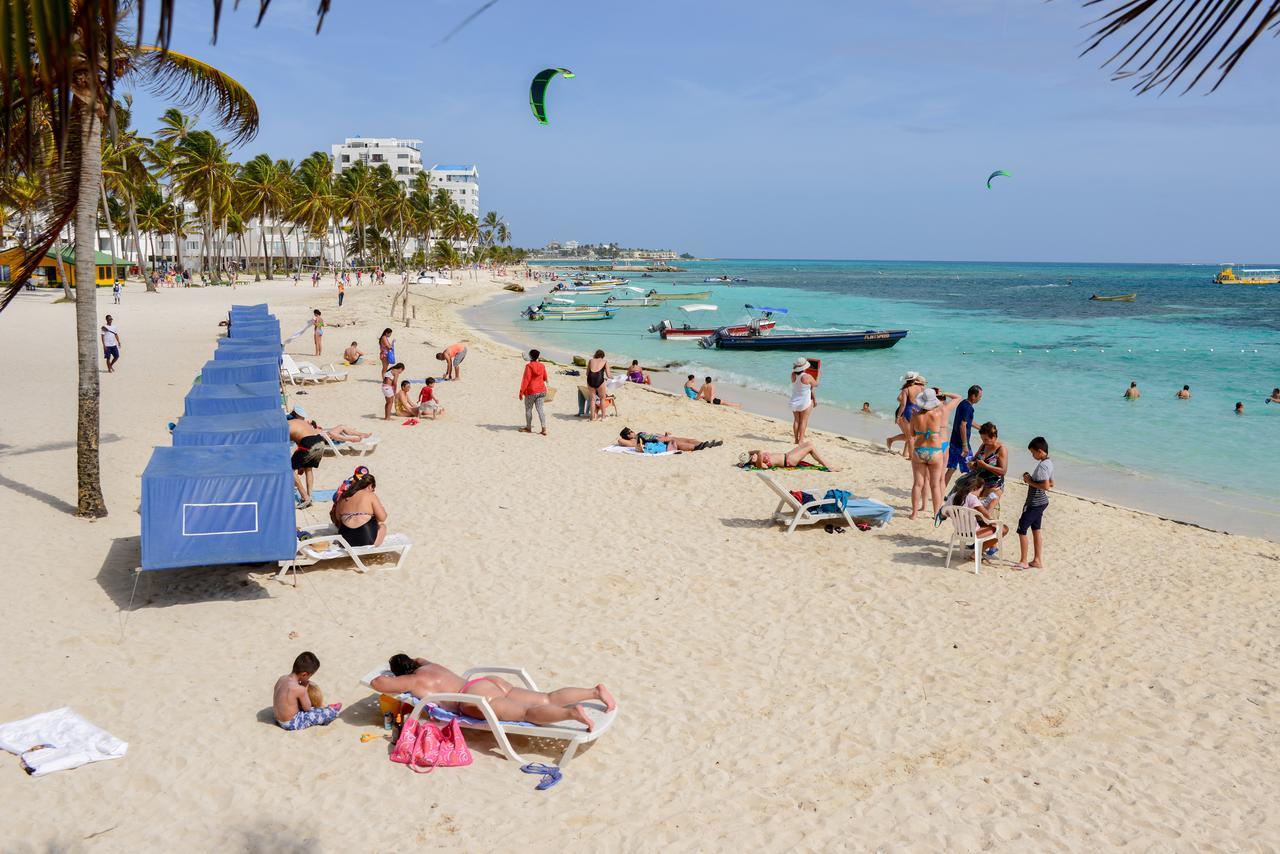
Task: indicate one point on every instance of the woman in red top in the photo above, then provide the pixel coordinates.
(533, 390)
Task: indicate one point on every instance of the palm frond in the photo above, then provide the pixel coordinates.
(197, 85)
(1167, 39)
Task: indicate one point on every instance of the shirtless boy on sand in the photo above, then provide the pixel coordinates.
(421, 677)
(291, 701)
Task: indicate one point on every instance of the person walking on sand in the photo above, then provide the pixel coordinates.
(342, 292)
(961, 431)
(452, 357)
(597, 374)
(386, 350)
(1132, 393)
(533, 391)
(803, 398)
(912, 383)
(1038, 482)
(317, 323)
(110, 344)
(929, 452)
(116, 288)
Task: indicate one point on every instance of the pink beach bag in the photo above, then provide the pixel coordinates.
(422, 744)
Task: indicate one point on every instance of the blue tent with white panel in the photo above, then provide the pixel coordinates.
(236, 428)
(239, 397)
(257, 351)
(255, 329)
(216, 505)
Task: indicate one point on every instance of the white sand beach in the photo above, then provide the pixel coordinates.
(809, 691)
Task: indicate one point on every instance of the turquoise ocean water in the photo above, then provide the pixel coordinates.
(1050, 361)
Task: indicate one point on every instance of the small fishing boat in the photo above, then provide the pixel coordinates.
(601, 280)
(670, 332)
(678, 296)
(723, 280)
(582, 289)
(592, 314)
(631, 302)
(1118, 298)
(871, 339)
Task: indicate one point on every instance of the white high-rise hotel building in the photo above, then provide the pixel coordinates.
(404, 156)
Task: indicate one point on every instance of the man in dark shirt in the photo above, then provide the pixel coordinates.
(958, 454)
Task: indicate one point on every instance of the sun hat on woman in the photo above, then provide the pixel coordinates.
(912, 377)
(801, 364)
(927, 399)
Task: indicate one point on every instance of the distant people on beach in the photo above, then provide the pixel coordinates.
(597, 375)
(110, 344)
(636, 374)
(912, 383)
(352, 355)
(929, 451)
(533, 391)
(961, 431)
(1185, 393)
(786, 460)
(804, 398)
(116, 289)
(428, 403)
(629, 438)
(317, 323)
(342, 293)
(296, 701)
(1038, 482)
(1132, 393)
(357, 512)
(708, 393)
(452, 357)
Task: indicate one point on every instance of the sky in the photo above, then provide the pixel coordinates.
(736, 128)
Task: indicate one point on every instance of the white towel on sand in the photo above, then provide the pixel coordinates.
(72, 741)
(618, 449)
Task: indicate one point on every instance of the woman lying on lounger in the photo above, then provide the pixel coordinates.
(786, 460)
(629, 438)
(420, 678)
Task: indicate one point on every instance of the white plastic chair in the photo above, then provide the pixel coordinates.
(356, 449)
(965, 522)
(573, 732)
(300, 373)
(335, 548)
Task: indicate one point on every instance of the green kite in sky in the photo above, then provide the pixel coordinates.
(538, 91)
(996, 173)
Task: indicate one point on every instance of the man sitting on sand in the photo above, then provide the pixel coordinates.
(292, 701)
(708, 393)
(629, 438)
(786, 460)
(352, 354)
(452, 357)
(421, 678)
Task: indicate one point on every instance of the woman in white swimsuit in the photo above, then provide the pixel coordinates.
(803, 398)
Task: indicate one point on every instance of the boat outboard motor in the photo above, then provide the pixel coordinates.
(659, 327)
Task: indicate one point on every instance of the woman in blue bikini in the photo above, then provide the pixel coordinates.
(929, 450)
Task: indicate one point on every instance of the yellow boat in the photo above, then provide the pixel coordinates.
(1247, 276)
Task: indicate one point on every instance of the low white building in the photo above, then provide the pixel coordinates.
(404, 156)
(462, 182)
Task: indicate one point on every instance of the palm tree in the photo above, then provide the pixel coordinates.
(490, 227)
(66, 66)
(313, 201)
(260, 193)
(1166, 40)
(174, 128)
(204, 176)
(444, 255)
(356, 191)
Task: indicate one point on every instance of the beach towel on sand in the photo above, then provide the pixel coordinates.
(618, 449)
(70, 741)
(803, 465)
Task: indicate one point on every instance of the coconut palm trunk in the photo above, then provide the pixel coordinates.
(89, 501)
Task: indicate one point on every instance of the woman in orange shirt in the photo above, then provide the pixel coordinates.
(533, 391)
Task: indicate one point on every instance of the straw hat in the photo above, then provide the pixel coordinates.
(911, 377)
(927, 399)
(802, 364)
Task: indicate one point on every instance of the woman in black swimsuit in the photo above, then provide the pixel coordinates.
(358, 512)
(597, 373)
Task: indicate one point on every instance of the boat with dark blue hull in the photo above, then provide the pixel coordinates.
(870, 339)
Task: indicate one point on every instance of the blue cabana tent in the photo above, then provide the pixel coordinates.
(256, 329)
(257, 351)
(216, 505)
(240, 397)
(227, 371)
(234, 428)
(256, 308)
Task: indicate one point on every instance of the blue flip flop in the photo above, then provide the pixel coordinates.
(550, 774)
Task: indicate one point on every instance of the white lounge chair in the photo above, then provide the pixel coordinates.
(356, 449)
(791, 512)
(300, 373)
(965, 522)
(573, 732)
(323, 542)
